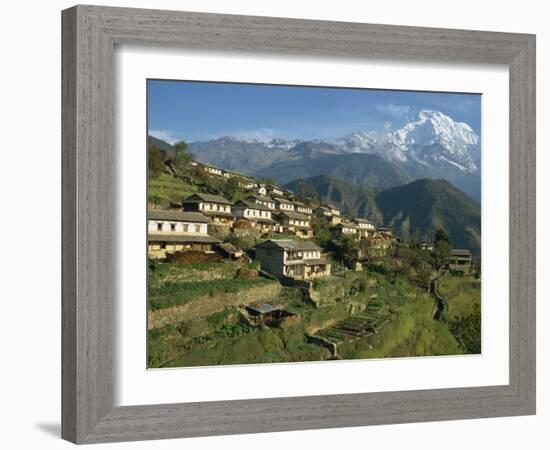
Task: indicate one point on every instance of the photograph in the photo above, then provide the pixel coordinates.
(291, 224)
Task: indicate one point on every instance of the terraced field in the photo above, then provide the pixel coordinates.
(357, 326)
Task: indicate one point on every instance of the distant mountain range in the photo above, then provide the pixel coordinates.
(431, 146)
(417, 208)
(423, 206)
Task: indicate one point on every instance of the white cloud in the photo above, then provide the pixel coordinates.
(394, 110)
(260, 134)
(165, 135)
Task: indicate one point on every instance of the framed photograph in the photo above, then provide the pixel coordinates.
(265, 229)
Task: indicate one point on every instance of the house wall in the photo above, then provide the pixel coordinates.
(304, 210)
(208, 206)
(213, 171)
(271, 260)
(299, 223)
(286, 207)
(180, 227)
(249, 213)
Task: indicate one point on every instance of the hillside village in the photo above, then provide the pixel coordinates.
(232, 257)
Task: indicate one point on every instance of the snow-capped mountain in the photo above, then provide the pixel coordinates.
(432, 140)
(282, 144)
(432, 145)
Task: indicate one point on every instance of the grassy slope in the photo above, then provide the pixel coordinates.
(461, 294)
(222, 339)
(167, 188)
(412, 332)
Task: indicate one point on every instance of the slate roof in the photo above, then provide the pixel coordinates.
(282, 200)
(461, 252)
(294, 215)
(345, 225)
(263, 308)
(263, 198)
(183, 238)
(360, 220)
(229, 248)
(177, 215)
(252, 205)
(195, 198)
(289, 244)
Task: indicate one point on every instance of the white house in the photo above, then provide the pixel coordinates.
(213, 206)
(365, 228)
(302, 208)
(295, 259)
(262, 200)
(275, 190)
(213, 170)
(328, 213)
(345, 228)
(171, 231)
(283, 204)
(257, 214)
(293, 222)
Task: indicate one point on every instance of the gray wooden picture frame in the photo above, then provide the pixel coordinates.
(90, 34)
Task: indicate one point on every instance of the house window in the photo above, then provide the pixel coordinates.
(185, 228)
(172, 227)
(198, 228)
(159, 226)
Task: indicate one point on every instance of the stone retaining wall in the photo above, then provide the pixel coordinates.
(206, 304)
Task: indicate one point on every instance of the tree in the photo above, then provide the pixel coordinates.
(232, 188)
(182, 157)
(468, 330)
(322, 234)
(366, 249)
(345, 249)
(443, 247)
(441, 235)
(155, 161)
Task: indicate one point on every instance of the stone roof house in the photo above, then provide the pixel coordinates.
(346, 229)
(328, 214)
(283, 204)
(262, 200)
(460, 259)
(365, 228)
(259, 216)
(293, 222)
(216, 207)
(292, 258)
(172, 231)
(302, 208)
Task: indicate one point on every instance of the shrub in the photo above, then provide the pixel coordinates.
(192, 256)
(244, 273)
(242, 224)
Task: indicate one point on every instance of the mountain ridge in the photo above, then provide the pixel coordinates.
(417, 209)
(431, 146)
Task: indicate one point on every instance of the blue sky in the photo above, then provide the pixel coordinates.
(194, 111)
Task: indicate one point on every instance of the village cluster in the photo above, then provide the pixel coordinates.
(270, 210)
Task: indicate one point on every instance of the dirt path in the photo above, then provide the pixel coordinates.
(439, 300)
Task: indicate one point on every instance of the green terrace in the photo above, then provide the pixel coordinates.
(180, 292)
